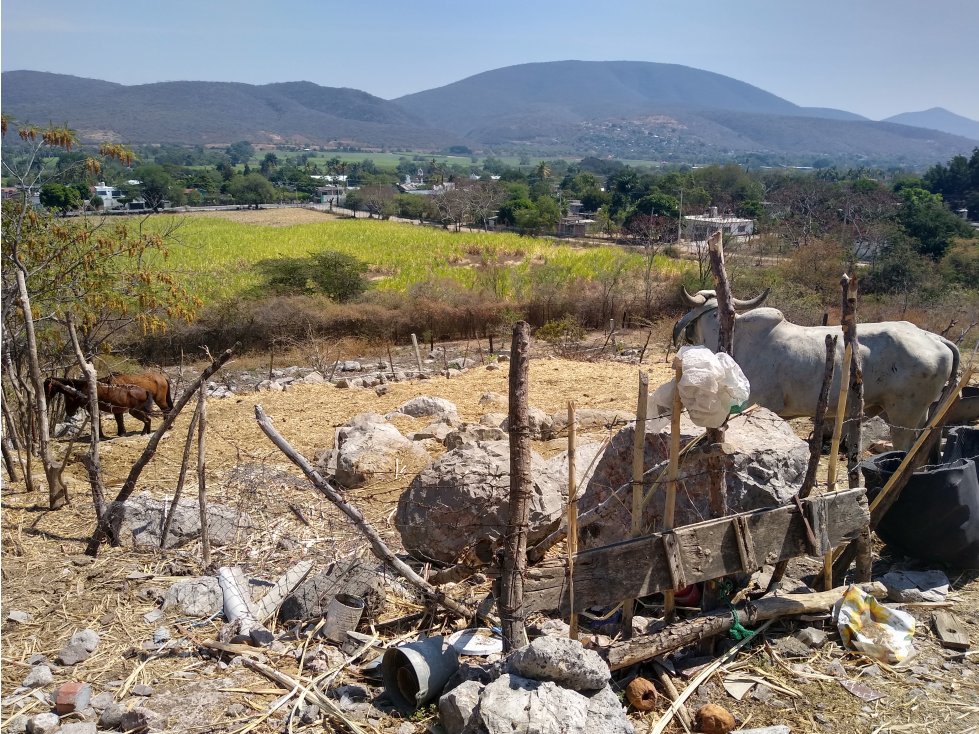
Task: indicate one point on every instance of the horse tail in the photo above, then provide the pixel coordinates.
(169, 396)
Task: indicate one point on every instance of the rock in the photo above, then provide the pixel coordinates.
(101, 702)
(381, 390)
(515, 705)
(493, 420)
(111, 716)
(714, 719)
(142, 689)
(811, 637)
(87, 638)
(437, 431)
(606, 715)
(309, 714)
(463, 498)
(791, 647)
(641, 693)
(462, 363)
(471, 434)
(46, 723)
(140, 719)
(15, 615)
(493, 398)
(590, 419)
(72, 696)
(312, 597)
(197, 597)
(915, 586)
(138, 522)
(541, 424)
(17, 725)
(425, 405)
(492, 367)
(563, 661)
(39, 677)
(154, 616)
(765, 470)
(73, 654)
(368, 445)
(350, 366)
(457, 706)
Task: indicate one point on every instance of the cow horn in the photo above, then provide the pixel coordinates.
(740, 305)
(698, 300)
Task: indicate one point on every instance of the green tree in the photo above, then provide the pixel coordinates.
(335, 274)
(928, 222)
(240, 152)
(251, 190)
(156, 186)
(60, 198)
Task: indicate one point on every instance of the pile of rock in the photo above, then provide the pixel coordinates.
(552, 686)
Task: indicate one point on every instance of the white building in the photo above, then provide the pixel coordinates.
(700, 227)
(110, 195)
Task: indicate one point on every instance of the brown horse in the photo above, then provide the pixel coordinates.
(115, 399)
(155, 382)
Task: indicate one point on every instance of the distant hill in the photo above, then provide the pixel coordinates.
(214, 112)
(938, 118)
(660, 111)
(618, 109)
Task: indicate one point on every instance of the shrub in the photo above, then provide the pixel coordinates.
(334, 274)
(565, 332)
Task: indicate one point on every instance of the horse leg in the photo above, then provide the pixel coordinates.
(143, 413)
(120, 421)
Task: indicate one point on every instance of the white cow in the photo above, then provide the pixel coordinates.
(904, 368)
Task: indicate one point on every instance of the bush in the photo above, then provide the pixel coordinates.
(334, 274)
(565, 332)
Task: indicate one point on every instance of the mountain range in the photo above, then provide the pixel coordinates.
(622, 109)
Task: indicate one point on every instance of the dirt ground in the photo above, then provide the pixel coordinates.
(45, 573)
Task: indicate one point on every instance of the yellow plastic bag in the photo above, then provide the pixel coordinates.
(869, 627)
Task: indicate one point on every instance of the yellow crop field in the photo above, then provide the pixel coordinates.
(215, 256)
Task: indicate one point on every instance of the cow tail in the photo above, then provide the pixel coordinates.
(954, 375)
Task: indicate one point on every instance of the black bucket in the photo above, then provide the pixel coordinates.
(962, 443)
(936, 517)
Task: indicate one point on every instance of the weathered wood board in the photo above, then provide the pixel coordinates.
(707, 550)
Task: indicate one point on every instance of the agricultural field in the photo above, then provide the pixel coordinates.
(215, 254)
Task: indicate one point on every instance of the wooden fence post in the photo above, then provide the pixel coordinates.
(201, 482)
(512, 617)
(572, 541)
(418, 355)
(638, 457)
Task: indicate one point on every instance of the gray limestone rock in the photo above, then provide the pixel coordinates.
(515, 705)
(367, 445)
(606, 714)
(46, 723)
(765, 469)
(425, 405)
(563, 661)
(139, 522)
(39, 677)
(72, 654)
(457, 706)
(87, 638)
(463, 498)
(312, 597)
(196, 597)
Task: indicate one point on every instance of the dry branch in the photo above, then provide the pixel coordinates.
(378, 546)
(104, 530)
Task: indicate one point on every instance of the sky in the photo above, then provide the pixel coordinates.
(876, 58)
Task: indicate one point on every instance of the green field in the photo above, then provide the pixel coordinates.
(215, 256)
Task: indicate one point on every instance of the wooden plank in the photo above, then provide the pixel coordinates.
(708, 550)
(950, 631)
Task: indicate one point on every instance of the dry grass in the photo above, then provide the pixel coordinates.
(45, 574)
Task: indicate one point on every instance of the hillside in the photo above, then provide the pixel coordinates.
(214, 112)
(619, 109)
(938, 118)
(659, 111)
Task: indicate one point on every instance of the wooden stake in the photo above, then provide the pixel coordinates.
(834, 452)
(669, 509)
(201, 482)
(638, 456)
(181, 477)
(418, 354)
(572, 543)
(515, 542)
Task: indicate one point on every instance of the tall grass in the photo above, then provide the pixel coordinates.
(215, 256)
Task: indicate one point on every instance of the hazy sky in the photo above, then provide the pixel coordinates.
(873, 57)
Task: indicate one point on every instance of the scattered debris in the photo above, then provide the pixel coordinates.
(713, 719)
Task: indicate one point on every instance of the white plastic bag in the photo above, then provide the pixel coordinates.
(711, 385)
(877, 631)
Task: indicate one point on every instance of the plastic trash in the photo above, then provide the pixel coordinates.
(712, 386)
(869, 627)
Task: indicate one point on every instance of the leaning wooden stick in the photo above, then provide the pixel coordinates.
(638, 457)
(834, 453)
(572, 515)
(373, 537)
(669, 511)
(103, 530)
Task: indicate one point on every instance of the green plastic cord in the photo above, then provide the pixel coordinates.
(738, 631)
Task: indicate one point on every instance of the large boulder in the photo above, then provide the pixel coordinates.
(425, 405)
(541, 424)
(139, 522)
(463, 498)
(367, 445)
(764, 469)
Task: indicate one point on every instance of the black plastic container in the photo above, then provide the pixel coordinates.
(936, 517)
